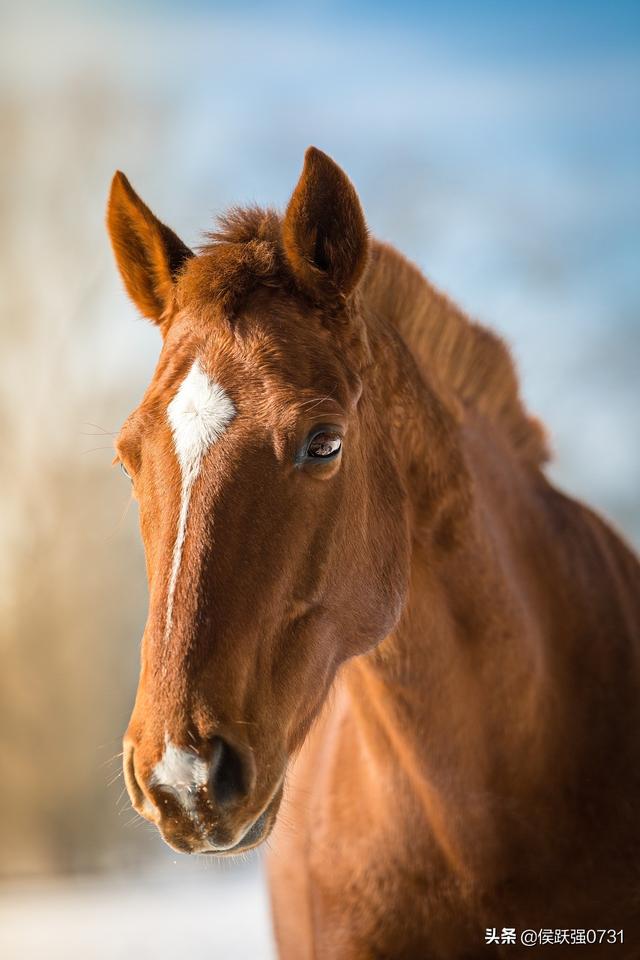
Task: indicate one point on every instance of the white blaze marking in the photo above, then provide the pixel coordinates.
(181, 771)
(198, 414)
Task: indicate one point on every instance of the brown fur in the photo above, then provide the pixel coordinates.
(148, 253)
(440, 649)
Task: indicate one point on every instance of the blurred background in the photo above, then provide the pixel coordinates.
(497, 144)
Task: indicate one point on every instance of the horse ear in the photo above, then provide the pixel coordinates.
(324, 231)
(149, 255)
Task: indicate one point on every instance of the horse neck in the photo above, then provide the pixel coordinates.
(467, 639)
(433, 698)
(471, 492)
(513, 672)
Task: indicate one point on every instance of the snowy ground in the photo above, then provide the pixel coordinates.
(170, 912)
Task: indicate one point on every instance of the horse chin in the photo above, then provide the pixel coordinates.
(197, 841)
(254, 836)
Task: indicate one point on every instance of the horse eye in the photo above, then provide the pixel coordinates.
(324, 445)
(125, 471)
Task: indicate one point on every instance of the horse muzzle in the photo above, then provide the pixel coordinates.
(203, 801)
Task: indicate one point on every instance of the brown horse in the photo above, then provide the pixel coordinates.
(361, 580)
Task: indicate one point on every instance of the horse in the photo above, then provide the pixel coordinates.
(367, 598)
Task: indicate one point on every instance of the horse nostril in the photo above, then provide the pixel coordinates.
(229, 779)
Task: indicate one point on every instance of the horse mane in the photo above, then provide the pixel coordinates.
(244, 251)
(457, 354)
